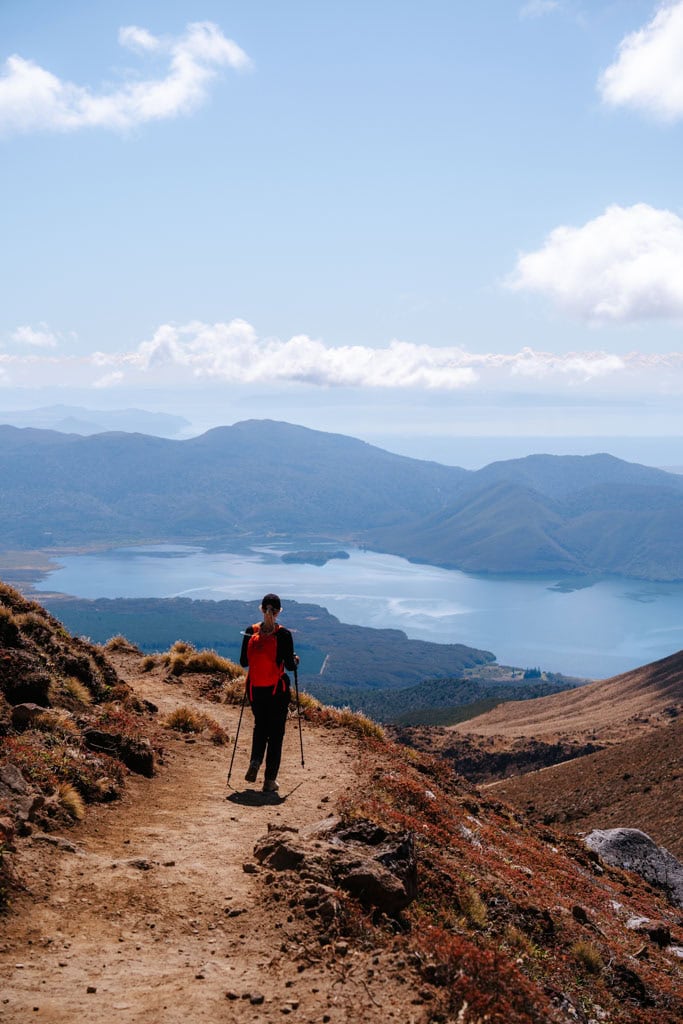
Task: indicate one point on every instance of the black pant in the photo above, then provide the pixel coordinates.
(270, 716)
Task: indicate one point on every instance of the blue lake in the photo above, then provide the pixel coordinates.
(596, 631)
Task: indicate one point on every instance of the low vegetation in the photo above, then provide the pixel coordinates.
(187, 720)
(513, 924)
(69, 725)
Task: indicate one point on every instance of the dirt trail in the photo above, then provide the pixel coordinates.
(193, 936)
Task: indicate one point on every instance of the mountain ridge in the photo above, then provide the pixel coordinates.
(569, 515)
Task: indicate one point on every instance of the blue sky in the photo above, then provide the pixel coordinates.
(388, 218)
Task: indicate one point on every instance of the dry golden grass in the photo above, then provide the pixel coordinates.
(148, 663)
(474, 908)
(517, 940)
(233, 690)
(72, 801)
(78, 690)
(186, 719)
(56, 720)
(588, 956)
(183, 657)
(120, 643)
(355, 721)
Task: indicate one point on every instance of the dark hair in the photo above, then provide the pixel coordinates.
(271, 601)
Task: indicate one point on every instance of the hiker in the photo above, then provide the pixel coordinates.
(267, 650)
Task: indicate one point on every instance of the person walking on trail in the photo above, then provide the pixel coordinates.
(267, 650)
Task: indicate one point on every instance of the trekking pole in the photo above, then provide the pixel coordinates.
(298, 713)
(244, 698)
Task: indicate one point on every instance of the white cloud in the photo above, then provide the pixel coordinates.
(33, 99)
(41, 338)
(537, 8)
(197, 355)
(648, 71)
(233, 351)
(625, 265)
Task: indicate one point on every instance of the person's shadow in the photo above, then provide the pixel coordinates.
(254, 798)
(257, 798)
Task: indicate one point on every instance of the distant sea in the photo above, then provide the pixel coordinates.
(591, 629)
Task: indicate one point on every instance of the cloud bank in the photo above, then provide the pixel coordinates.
(232, 353)
(33, 99)
(648, 71)
(625, 265)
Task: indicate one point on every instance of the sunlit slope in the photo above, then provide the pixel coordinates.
(603, 710)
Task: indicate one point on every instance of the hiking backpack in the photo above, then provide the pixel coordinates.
(264, 670)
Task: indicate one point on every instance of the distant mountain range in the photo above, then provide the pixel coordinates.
(565, 515)
(74, 419)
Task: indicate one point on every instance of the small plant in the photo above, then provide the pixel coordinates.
(355, 721)
(185, 719)
(218, 735)
(182, 647)
(148, 663)
(120, 643)
(58, 721)
(474, 908)
(72, 801)
(203, 661)
(517, 940)
(233, 690)
(78, 690)
(588, 956)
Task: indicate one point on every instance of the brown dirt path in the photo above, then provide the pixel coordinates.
(193, 937)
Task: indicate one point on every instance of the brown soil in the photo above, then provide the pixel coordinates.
(194, 936)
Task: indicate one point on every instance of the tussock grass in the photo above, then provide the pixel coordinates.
(56, 720)
(233, 690)
(182, 647)
(78, 690)
(183, 657)
(185, 719)
(120, 643)
(148, 663)
(517, 940)
(474, 908)
(588, 956)
(72, 801)
(355, 721)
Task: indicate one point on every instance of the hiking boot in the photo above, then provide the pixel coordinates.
(252, 771)
(270, 786)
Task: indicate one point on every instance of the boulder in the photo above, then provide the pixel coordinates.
(634, 850)
(25, 715)
(377, 867)
(135, 754)
(21, 801)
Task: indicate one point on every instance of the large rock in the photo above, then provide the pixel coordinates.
(24, 715)
(377, 867)
(16, 794)
(135, 754)
(633, 850)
